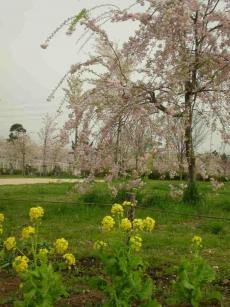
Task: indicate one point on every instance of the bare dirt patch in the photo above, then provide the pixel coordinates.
(9, 285)
(89, 298)
(18, 181)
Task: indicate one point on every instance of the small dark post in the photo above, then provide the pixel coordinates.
(131, 210)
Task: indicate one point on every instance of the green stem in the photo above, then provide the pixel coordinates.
(20, 251)
(35, 244)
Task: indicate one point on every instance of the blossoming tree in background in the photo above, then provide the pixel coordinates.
(180, 50)
(184, 50)
(46, 136)
(19, 139)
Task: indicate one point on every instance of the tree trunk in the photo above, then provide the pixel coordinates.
(181, 166)
(191, 160)
(44, 158)
(117, 156)
(74, 147)
(191, 194)
(75, 143)
(23, 163)
(136, 162)
(189, 149)
(44, 168)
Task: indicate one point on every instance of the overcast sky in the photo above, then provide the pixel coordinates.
(29, 73)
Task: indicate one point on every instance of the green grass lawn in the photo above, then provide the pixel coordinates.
(77, 219)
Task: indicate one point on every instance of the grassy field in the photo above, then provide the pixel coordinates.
(77, 219)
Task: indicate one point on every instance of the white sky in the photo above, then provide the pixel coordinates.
(28, 73)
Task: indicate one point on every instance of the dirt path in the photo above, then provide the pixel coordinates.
(13, 181)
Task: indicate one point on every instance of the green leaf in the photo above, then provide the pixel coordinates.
(78, 17)
(187, 285)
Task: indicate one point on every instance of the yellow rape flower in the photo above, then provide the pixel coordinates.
(61, 245)
(138, 224)
(70, 260)
(149, 224)
(10, 243)
(100, 245)
(126, 224)
(135, 243)
(36, 213)
(197, 240)
(107, 223)
(1, 230)
(117, 209)
(27, 232)
(20, 264)
(43, 252)
(2, 217)
(127, 203)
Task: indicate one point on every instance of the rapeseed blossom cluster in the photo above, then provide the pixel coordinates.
(135, 243)
(126, 224)
(2, 217)
(197, 241)
(20, 264)
(69, 260)
(27, 232)
(61, 246)
(43, 252)
(117, 209)
(100, 245)
(148, 224)
(138, 224)
(10, 243)
(132, 227)
(36, 213)
(127, 204)
(107, 223)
